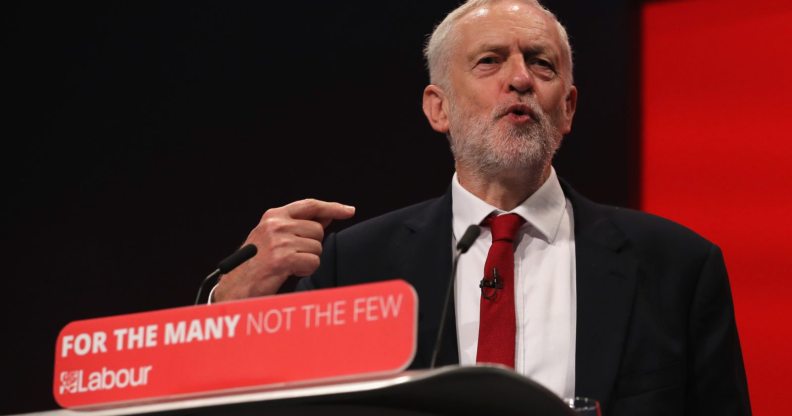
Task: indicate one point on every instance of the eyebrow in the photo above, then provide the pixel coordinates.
(537, 48)
(540, 48)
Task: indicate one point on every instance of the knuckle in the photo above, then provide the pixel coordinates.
(278, 243)
(320, 231)
(307, 265)
(313, 263)
(311, 203)
(270, 213)
(273, 225)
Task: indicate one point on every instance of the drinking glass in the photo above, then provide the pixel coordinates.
(584, 406)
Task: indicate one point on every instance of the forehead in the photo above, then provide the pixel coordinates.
(507, 22)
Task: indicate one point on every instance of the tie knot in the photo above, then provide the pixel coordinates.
(504, 227)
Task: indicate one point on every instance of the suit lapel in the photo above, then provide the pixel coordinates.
(606, 275)
(425, 262)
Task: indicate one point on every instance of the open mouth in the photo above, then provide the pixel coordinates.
(520, 113)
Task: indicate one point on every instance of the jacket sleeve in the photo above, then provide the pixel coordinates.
(716, 382)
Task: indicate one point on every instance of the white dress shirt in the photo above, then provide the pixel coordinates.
(545, 300)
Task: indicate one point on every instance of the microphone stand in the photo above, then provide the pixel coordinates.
(462, 247)
(226, 265)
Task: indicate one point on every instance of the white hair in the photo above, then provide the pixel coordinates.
(438, 47)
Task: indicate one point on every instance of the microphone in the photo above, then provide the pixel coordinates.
(226, 265)
(462, 247)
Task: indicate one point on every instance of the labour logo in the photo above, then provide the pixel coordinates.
(70, 380)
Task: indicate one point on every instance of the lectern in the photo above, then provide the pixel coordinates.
(452, 390)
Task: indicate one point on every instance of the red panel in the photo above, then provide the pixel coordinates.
(717, 157)
(247, 345)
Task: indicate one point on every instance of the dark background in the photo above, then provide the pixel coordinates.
(142, 141)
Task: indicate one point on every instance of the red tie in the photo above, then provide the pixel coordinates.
(498, 325)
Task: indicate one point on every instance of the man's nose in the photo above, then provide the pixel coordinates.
(521, 79)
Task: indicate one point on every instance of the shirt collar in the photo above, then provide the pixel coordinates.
(542, 211)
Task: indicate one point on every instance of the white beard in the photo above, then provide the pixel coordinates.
(488, 146)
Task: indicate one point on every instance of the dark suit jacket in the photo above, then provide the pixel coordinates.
(655, 324)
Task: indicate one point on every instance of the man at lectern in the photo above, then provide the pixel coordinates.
(586, 299)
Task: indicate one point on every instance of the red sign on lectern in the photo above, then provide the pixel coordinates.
(249, 344)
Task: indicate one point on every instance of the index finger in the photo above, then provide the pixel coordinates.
(321, 211)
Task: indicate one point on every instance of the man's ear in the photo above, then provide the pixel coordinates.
(570, 104)
(435, 108)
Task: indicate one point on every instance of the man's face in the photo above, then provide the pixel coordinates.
(508, 99)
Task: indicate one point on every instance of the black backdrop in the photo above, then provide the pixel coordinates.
(143, 141)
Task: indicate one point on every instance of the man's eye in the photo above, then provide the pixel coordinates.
(542, 62)
(487, 60)
(542, 68)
